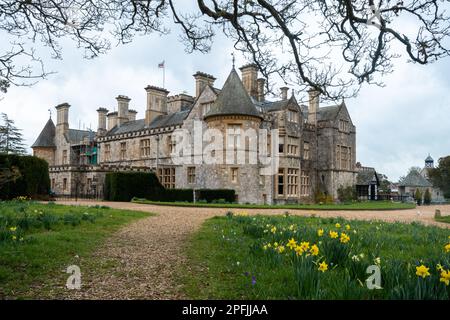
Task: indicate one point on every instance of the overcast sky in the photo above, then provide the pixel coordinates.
(397, 126)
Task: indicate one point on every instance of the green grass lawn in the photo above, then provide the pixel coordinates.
(445, 219)
(239, 257)
(368, 205)
(39, 241)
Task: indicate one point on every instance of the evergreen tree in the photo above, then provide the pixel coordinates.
(427, 197)
(418, 197)
(11, 139)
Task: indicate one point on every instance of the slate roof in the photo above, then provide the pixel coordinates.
(233, 99)
(365, 177)
(159, 122)
(429, 159)
(75, 136)
(414, 179)
(328, 113)
(46, 137)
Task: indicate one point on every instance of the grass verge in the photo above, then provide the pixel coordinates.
(39, 241)
(241, 258)
(369, 205)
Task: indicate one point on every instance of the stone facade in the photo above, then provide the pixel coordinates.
(316, 144)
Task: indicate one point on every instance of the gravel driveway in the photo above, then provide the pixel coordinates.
(146, 254)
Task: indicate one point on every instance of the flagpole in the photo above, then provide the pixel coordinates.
(164, 75)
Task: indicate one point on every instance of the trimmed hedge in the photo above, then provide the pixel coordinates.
(210, 195)
(34, 180)
(124, 186)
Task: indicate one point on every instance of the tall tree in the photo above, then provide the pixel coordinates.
(440, 176)
(11, 139)
(331, 45)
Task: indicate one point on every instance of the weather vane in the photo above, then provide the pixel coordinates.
(232, 54)
(50, 111)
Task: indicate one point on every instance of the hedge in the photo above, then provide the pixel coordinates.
(124, 186)
(33, 182)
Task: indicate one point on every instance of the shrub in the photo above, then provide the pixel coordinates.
(33, 181)
(209, 195)
(322, 198)
(346, 194)
(427, 197)
(175, 195)
(418, 197)
(123, 186)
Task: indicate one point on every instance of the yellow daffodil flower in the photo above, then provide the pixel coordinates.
(281, 249)
(323, 266)
(14, 238)
(275, 244)
(292, 244)
(347, 227)
(320, 232)
(13, 229)
(314, 250)
(265, 247)
(274, 229)
(344, 238)
(422, 271)
(298, 250)
(439, 267)
(333, 234)
(447, 248)
(445, 277)
(337, 225)
(304, 245)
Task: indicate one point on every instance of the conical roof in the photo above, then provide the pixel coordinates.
(429, 159)
(233, 99)
(46, 137)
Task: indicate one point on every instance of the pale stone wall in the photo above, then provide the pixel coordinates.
(48, 154)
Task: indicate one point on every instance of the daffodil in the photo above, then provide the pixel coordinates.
(333, 234)
(447, 248)
(269, 245)
(445, 277)
(265, 247)
(275, 244)
(14, 238)
(292, 244)
(422, 271)
(323, 266)
(314, 250)
(298, 250)
(304, 245)
(320, 232)
(439, 267)
(337, 225)
(281, 249)
(377, 261)
(344, 238)
(13, 229)
(347, 227)
(274, 229)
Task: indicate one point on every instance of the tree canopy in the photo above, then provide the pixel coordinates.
(11, 139)
(331, 45)
(440, 176)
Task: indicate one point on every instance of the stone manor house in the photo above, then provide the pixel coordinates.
(316, 144)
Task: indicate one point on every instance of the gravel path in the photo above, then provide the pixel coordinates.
(145, 254)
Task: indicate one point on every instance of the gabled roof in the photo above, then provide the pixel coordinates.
(328, 113)
(233, 99)
(414, 179)
(46, 138)
(365, 177)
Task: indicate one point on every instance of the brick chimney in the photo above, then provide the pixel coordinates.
(62, 118)
(249, 79)
(261, 84)
(156, 103)
(284, 93)
(122, 107)
(201, 81)
(313, 105)
(102, 112)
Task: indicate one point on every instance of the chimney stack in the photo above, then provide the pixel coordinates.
(62, 118)
(201, 81)
(132, 115)
(284, 93)
(156, 103)
(101, 130)
(122, 107)
(313, 105)
(112, 119)
(249, 79)
(261, 84)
